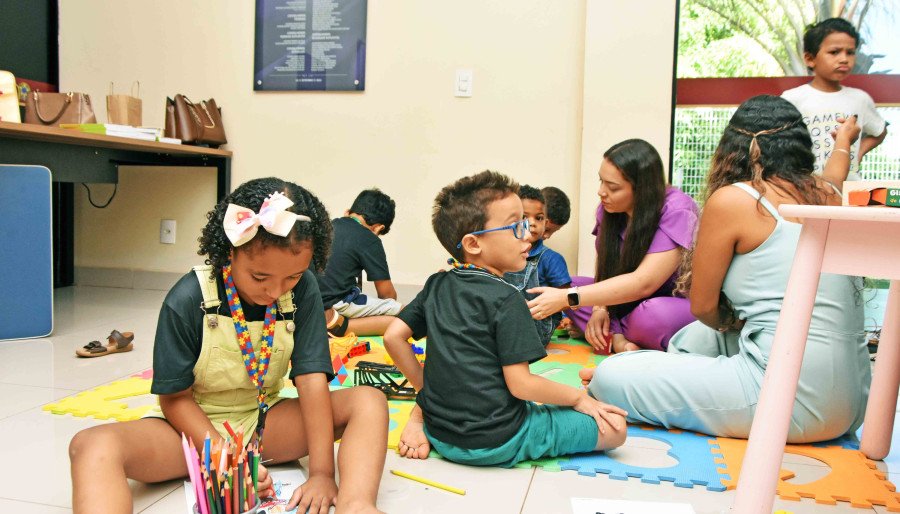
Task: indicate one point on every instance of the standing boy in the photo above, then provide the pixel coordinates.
(357, 247)
(829, 49)
(477, 397)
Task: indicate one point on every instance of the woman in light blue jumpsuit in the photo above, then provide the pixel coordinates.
(710, 379)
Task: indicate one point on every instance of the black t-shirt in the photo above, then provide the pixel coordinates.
(179, 333)
(476, 323)
(355, 249)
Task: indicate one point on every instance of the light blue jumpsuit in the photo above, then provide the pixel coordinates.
(710, 382)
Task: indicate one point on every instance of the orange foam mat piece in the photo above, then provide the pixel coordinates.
(853, 477)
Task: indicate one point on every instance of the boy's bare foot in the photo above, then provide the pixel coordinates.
(620, 344)
(413, 443)
(586, 374)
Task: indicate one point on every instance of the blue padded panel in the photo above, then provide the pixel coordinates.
(26, 253)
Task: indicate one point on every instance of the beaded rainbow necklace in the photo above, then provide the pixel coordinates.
(256, 367)
(465, 265)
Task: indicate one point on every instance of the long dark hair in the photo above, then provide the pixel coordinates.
(765, 143)
(642, 167)
(214, 244)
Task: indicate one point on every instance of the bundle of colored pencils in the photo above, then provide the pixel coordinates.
(224, 474)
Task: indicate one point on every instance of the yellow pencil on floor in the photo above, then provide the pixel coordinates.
(429, 482)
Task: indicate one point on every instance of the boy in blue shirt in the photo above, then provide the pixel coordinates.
(543, 267)
(477, 397)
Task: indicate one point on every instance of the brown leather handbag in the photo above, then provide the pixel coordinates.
(194, 123)
(55, 108)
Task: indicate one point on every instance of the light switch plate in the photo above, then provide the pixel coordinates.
(167, 232)
(463, 84)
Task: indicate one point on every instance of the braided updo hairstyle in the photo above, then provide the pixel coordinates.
(217, 248)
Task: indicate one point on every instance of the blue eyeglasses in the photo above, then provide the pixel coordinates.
(519, 228)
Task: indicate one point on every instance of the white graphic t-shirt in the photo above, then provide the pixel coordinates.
(820, 111)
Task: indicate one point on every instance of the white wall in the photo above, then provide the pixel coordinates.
(534, 69)
(628, 69)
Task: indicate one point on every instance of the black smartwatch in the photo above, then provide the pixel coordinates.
(574, 298)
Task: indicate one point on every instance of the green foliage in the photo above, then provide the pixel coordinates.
(751, 38)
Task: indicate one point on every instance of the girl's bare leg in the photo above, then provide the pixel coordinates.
(102, 457)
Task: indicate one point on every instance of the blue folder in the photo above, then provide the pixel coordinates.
(26, 252)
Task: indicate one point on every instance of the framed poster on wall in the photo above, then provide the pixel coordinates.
(310, 45)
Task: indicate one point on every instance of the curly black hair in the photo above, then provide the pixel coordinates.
(375, 207)
(527, 192)
(214, 244)
(557, 205)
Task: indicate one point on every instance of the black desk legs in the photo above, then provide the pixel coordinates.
(63, 234)
(223, 178)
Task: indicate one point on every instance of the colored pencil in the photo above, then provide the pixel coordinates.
(224, 475)
(239, 482)
(190, 465)
(230, 430)
(425, 481)
(201, 497)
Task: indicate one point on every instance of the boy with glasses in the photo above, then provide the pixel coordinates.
(476, 401)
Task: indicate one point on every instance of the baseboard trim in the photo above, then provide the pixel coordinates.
(125, 278)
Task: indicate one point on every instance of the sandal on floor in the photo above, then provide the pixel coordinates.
(117, 342)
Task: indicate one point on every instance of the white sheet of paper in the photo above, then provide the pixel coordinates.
(602, 506)
(286, 480)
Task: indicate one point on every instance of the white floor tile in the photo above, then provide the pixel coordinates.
(17, 507)
(491, 490)
(51, 362)
(15, 399)
(38, 442)
(172, 503)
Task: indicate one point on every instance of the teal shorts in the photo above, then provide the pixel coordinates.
(548, 431)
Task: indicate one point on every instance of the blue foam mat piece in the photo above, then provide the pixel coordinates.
(696, 464)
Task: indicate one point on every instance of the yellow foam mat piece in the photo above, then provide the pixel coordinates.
(398, 413)
(853, 477)
(104, 402)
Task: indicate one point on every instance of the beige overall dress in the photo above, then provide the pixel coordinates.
(222, 388)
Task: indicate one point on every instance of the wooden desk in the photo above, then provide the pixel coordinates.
(74, 156)
(861, 241)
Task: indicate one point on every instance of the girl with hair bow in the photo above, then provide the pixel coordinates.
(227, 334)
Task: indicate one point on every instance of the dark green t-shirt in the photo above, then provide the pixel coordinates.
(476, 323)
(355, 249)
(179, 332)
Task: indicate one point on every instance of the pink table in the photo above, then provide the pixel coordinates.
(848, 240)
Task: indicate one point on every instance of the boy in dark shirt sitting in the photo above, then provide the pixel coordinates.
(357, 247)
(476, 402)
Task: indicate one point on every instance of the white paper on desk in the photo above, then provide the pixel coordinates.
(285, 481)
(601, 506)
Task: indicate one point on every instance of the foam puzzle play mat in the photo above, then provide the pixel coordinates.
(696, 460)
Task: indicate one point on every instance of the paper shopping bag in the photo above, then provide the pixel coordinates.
(125, 109)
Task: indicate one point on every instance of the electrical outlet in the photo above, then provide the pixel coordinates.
(167, 232)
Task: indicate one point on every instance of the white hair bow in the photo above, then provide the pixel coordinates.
(241, 223)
